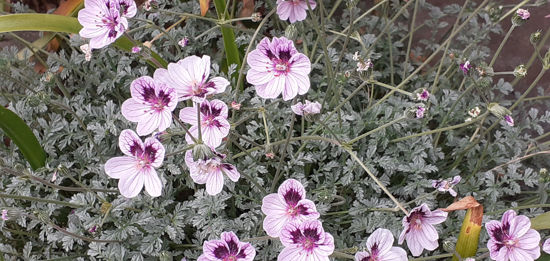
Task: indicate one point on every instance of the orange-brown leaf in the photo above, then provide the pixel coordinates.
(205, 4)
(465, 203)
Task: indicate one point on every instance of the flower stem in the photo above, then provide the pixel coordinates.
(502, 45)
(283, 153)
(63, 203)
(199, 122)
(381, 127)
(354, 157)
(442, 129)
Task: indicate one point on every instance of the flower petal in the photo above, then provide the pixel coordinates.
(214, 182)
(152, 183)
(131, 186)
(121, 167)
(129, 142)
(383, 239)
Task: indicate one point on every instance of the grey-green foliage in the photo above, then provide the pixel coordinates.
(80, 133)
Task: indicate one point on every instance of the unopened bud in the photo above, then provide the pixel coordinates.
(256, 17)
(449, 246)
(498, 110)
(165, 256)
(202, 152)
(291, 32)
(535, 37)
(520, 71)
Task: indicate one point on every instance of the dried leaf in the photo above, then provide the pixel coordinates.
(205, 4)
(465, 203)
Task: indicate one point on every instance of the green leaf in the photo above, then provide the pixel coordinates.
(60, 24)
(15, 128)
(541, 221)
(230, 45)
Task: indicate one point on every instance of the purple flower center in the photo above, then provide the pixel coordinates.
(502, 237)
(145, 157)
(229, 253)
(157, 102)
(280, 64)
(307, 240)
(415, 220)
(373, 254)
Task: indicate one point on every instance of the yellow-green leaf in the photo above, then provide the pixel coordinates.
(541, 221)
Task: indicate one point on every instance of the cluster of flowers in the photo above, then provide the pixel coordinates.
(422, 95)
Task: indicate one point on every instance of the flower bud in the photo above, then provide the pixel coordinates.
(498, 110)
(165, 256)
(546, 60)
(202, 151)
(520, 71)
(256, 17)
(535, 37)
(291, 32)
(449, 246)
(105, 207)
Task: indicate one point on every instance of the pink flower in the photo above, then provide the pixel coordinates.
(136, 49)
(308, 108)
(523, 14)
(512, 239)
(294, 10)
(151, 105)
(276, 67)
(465, 67)
(380, 248)
(104, 21)
(183, 42)
(85, 48)
(363, 66)
(5, 214)
(210, 171)
(423, 95)
(420, 112)
(446, 185)
(190, 78)
(419, 230)
(137, 168)
(235, 105)
(214, 124)
(229, 248)
(509, 120)
(306, 241)
(546, 246)
(287, 205)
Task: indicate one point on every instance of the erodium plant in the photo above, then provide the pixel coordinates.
(309, 130)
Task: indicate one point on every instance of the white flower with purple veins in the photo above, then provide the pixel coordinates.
(419, 231)
(308, 108)
(190, 78)
(210, 171)
(289, 204)
(306, 241)
(380, 248)
(151, 105)
(294, 10)
(364, 66)
(214, 124)
(104, 21)
(5, 214)
(276, 67)
(229, 248)
(137, 168)
(512, 238)
(446, 185)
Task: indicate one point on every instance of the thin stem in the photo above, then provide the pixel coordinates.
(411, 33)
(502, 45)
(264, 20)
(45, 182)
(52, 201)
(521, 158)
(518, 208)
(318, 138)
(442, 129)
(381, 127)
(387, 86)
(283, 153)
(183, 126)
(58, 228)
(267, 146)
(199, 122)
(354, 157)
(432, 257)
